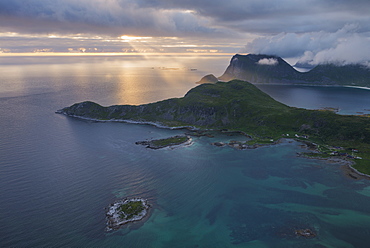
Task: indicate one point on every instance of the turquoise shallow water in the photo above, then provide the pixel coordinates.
(58, 174)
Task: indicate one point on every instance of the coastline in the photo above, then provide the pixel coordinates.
(358, 87)
(313, 85)
(366, 176)
(156, 124)
(338, 161)
(346, 165)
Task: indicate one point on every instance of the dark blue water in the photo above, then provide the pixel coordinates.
(57, 174)
(347, 100)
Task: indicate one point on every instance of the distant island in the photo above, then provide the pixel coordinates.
(269, 69)
(240, 106)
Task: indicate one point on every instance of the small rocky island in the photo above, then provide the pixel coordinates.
(168, 142)
(307, 233)
(125, 211)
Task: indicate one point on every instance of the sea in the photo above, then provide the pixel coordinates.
(59, 174)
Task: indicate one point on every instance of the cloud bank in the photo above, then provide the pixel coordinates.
(312, 30)
(266, 61)
(345, 46)
(99, 17)
(185, 17)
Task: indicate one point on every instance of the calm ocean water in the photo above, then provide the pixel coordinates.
(57, 174)
(347, 100)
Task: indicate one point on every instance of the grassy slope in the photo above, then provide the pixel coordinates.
(238, 105)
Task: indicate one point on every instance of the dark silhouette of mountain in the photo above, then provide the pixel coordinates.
(274, 70)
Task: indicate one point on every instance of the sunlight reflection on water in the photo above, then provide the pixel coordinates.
(127, 79)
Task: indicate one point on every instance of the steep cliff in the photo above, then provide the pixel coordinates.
(271, 69)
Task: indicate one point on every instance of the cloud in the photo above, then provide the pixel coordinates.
(273, 17)
(349, 50)
(186, 17)
(270, 61)
(343, 46)
(106, 17)
(288, 28)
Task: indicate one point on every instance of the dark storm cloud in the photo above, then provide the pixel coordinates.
(108, 17)
(266, 16)
(166, 17)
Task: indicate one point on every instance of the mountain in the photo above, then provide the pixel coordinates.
(219, 105)
(352, 75)
(260, 69)
(236, 105)
(274, 70)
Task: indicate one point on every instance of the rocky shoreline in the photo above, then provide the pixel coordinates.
(125, 211)
(243, 145)
(155, 124)
(347, 164)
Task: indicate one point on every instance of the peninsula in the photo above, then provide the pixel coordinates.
(240, 106)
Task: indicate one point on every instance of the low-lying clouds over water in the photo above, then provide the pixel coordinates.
(344, 46)
(313, 30)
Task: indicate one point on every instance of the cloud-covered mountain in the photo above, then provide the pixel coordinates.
(344, 46)
(272, 69)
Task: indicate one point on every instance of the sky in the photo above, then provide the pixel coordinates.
(311, 31)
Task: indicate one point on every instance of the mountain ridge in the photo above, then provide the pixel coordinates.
(270, 69)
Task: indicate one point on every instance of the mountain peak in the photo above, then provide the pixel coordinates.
(265, 69)
(258, 68)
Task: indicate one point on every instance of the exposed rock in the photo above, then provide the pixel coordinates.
(168, 142)
(307, 233)
(220, 144)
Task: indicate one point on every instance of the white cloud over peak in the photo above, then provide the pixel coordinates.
(270, 61)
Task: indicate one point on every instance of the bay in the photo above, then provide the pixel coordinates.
(58, 174)
(346, 100)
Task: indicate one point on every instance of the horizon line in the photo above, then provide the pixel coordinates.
(108, 54)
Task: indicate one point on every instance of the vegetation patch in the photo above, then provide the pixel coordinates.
(130, 209)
